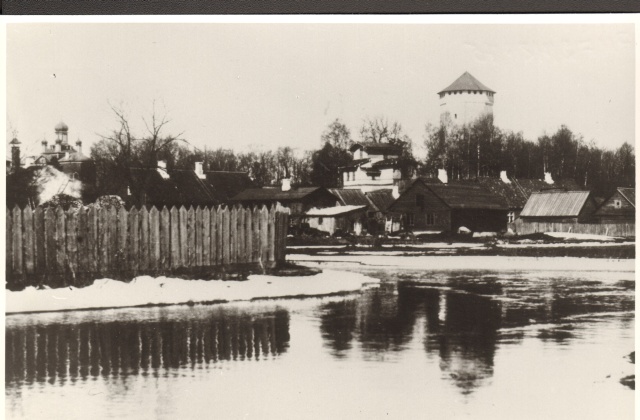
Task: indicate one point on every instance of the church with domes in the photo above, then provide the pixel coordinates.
(465, 100)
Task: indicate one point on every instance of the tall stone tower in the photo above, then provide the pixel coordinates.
(465, 100)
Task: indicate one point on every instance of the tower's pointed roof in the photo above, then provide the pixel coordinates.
(466, 82)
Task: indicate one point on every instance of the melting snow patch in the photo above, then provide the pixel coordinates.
(581, 236)
(107, 293)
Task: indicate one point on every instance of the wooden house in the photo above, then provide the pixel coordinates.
(559, 206)
(619, 208)
(447, 207)
(339, 218)
(374, 166)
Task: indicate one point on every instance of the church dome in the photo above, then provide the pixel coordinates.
(61, 127)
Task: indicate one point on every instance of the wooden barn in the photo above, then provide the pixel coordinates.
(619, 208)
(558, 206)
(448, 207)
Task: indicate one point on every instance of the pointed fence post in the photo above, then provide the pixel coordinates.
(71, 234)
(206, 237)
(17, 243)
(143, 262)
(61, 255)
(191, 238)
(199, 237)
(133, 241)
(40, 241)
(29, 240)
(175, 238)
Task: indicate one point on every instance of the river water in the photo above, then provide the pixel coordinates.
(422, 344)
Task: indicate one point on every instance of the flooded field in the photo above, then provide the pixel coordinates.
(425, 343)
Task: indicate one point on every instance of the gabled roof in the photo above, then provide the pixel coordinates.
(334, 211)
(350, 197)
(555, 204)
(157, 190)
(225, 185)
(377, 148)
(276, 194)
(467, 197)
(629, 194)
(466, 82)
(381, 199)
(193, 190)
(515, 194)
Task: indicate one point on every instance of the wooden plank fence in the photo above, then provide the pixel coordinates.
(57, 248)
(609, 229)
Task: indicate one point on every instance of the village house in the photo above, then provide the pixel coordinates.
(374, 166)
(161, 187)
(619, 208)
(435, 207)
(297, 200)
(559, 206)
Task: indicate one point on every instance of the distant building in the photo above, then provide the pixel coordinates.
(441, 206)
(374, 166)
(558, 206)
(348, 219)
(465, 100)
(619, 208)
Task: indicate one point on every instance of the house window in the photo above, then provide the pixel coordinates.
(617, 203)
(410, 219)
(511, 217)
(420, 200)
(431, 219)
(320, 220)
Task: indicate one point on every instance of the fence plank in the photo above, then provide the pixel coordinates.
(17, 241)
(123, 233)
(40, 241)
(272, 233)
(198, 236)
(175, 238)
(112, 224)
(50, 234)
(61, 256)
(264, 234)
(240, 253)
(191, 238)
(248, 235)
(9, 242)
(143, 261)
(29, 250)
(233, 235)
(93, 235)
(159, 231)
(206, 237)
(82, 243)
(255, 222)
(215, 227)
(71, 223)
(133, 240)
(226, 216)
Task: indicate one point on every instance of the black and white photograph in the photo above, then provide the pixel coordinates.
(320, 217)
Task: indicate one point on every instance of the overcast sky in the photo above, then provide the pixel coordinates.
(267, 85)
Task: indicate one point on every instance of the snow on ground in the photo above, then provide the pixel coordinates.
(580, 236)
(106, 293)
(492, 263)
(564, 245)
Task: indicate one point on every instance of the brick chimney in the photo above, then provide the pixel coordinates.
(442, 176)
(504, 178)
(286, 184)
(200, 171)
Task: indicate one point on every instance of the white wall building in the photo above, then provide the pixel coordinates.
(374, 167)
(465, 100)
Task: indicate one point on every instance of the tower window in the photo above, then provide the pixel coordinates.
(617, 203)
(455, 116)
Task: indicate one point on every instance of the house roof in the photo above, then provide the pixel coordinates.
(157, 190)
(377, 148)
(193, 190)
(225, 185)
(459, 196)
(334, 211)
(355, 163)
(350, 197)
(275, 194)
(75, 157)
(515, 194)
(555, 204)
(385, 163)
(381, 199)
(466, 82)
(629, 194)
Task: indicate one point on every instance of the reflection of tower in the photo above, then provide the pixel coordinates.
(465, 100)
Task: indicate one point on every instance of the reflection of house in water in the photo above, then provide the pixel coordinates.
(120, 348)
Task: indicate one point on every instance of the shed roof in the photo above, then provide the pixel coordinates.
(373, 148)
(555, 204)
(629, 194)
(275, 194)
(467, 197)
(466, 82)
(350, 197)
(334, 211)
(381, 199)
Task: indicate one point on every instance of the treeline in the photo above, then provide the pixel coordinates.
(466, 152)
(483, 149)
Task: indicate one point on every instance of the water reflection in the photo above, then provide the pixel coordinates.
(466, 317)
(60, 352)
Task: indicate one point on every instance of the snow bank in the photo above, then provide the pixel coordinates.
(581, 236)
(492, 263)
(106, 293)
